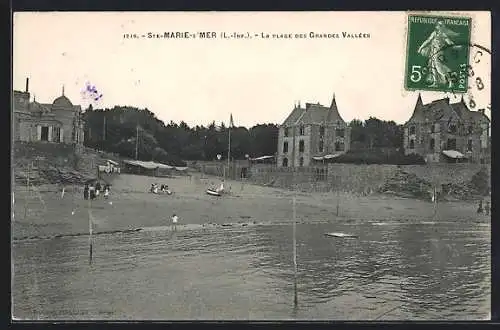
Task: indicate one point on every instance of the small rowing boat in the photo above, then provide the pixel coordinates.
(341, 235)
(216, 192)
(213, 192)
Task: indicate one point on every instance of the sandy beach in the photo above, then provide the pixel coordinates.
(131, 206)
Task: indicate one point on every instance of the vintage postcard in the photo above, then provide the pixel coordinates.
(251, 166)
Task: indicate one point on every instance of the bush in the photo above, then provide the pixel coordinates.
(480, 181)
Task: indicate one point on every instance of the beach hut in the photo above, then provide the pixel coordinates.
(147, 168)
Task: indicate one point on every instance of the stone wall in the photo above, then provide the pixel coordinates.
(220, 168)
(358, 178)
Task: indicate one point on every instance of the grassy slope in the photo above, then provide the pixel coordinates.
(45, 156)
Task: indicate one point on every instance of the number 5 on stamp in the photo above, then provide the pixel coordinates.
(437, 53)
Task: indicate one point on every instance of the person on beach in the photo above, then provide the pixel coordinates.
(220, 189)
(480, 207)
(487, 208)
(92, 192)
(175, 218)
(86, 191)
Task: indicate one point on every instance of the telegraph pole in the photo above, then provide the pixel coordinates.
(229, 154)
(295, 298)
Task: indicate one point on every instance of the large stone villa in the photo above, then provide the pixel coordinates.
(312, 134)
(59, 122)
(441, 131)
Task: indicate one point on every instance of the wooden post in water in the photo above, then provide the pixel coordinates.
(90, 233)
(295, 299)
(434, 192)
(338, 201)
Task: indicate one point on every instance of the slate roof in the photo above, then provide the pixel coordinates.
(62, 102)
(39, 107)
(314, 114)
(293, 116)
(445, 111)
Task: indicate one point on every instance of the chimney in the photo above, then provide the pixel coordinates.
(27, 84)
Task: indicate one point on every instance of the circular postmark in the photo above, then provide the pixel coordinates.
(474, 77)
(90, 95)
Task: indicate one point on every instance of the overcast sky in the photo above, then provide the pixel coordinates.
(198, 80)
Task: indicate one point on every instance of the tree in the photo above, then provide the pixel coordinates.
(264, 139)
(173, 142)
(358, 138)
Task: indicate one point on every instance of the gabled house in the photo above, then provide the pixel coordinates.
(310, 133)
(441, 131)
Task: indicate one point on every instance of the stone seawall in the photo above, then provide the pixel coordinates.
(220, 168)
(359, 178)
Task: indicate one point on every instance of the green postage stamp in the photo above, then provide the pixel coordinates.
(437, 53)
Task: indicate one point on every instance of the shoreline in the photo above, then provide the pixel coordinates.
(49, 215)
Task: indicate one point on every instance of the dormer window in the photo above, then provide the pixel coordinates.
(452, 129)
(301, 130)
(412, 130)
(286, 132)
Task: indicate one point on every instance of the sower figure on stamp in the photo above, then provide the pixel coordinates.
(432, 47)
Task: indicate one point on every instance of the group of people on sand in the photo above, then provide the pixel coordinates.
(484, 209)
(162, 189)
(93, 191)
